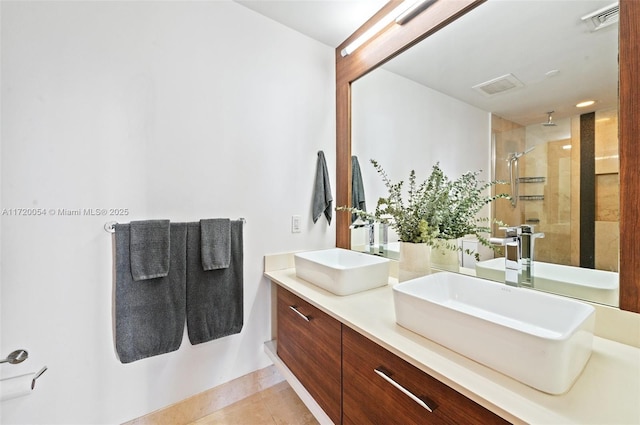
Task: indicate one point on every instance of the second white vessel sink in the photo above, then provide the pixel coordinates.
(599, 286)
(540, 339)
(341, 271)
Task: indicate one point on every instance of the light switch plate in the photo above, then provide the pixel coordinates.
(295, 224)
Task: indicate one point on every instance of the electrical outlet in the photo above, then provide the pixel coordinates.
(295, 224)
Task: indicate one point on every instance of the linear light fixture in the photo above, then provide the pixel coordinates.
(402, 14)
(413, 11)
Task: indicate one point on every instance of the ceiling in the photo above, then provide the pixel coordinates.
(327, 21)
(543, 43)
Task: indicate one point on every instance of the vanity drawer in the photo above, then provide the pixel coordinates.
(309, 343)
(369, 398)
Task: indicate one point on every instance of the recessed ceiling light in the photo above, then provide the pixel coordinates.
(585, 103)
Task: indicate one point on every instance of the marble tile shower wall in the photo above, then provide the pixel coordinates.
(558, 213)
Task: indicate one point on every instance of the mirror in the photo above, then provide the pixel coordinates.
(414, 111)
(449, 154)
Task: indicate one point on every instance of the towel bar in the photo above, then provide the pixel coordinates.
(110, 226)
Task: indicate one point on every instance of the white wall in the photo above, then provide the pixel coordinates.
(178, 110)
(404, 126)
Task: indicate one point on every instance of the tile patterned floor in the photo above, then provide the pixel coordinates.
(277, 405)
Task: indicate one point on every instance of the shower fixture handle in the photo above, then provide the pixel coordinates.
(514, 180)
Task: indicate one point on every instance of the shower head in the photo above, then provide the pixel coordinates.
(549, 122)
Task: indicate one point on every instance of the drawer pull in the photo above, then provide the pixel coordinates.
(408, 393)
(294, 308)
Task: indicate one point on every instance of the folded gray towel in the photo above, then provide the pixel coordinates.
(357, 188)
(149, 314)
(322, 198)
(214, 297)
(215, 243)
(149, 249)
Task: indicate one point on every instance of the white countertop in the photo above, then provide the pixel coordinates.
(607, 391)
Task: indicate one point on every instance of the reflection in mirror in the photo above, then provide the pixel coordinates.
(497, 90)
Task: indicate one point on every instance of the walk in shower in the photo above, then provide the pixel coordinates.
(543, 167)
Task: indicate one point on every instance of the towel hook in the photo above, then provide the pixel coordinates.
(110, 226)
(15, 357)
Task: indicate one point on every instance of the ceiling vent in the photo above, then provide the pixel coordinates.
(498, 85)
(602, 18)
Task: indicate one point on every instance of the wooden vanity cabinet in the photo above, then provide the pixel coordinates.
(370, 398)
(356, 381)
(309, 343)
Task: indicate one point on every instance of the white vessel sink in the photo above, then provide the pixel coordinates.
(541, 340)
(586, 284)
(341, 271)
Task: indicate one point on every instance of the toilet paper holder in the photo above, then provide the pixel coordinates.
(36, 376)
(19, 386)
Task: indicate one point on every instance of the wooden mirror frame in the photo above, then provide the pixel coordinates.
(395, 39)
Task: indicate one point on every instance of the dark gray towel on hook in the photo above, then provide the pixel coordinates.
(357, 188)
(214, 297)
(215, 236)
(149, 314)
(149, 249)
(322, 198)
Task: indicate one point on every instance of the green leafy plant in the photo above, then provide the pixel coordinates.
(466, 198)
(436, 210)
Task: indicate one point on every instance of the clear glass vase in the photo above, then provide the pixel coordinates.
(445, 255)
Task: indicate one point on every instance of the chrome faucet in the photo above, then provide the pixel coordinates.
(383, 235)
(358, 224)
(528, 238)
(512, 254)
(383, 238)
(518, 254)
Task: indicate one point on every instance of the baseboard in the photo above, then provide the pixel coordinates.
(207, 402)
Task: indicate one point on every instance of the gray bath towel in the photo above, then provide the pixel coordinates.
(215, 243)
(214, 297)
(149, 249)
(149, 314)
(357, 188)
(322, 198)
